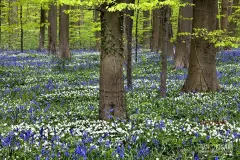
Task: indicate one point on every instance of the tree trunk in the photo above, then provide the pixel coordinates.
(136, 33)
(162, 31)
(42, 29)
(52, 30)
(146, 28)
(184, 41)
(224, 14)
(12, 21)
(0, 23)
(202, 74)
(128, 31)
(112, 98)
(155, 30)
(233, 23)
(64, 32)
(170, 35)
(97, 33)
(21, 27)
(165, 40)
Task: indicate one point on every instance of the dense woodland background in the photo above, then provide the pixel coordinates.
(119, 79)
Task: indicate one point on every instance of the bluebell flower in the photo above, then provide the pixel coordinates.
(81, 150)
(41, 132)
(143, 151)
(195, 156)
(71, 131)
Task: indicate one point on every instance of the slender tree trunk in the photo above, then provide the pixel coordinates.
(52, 30)
(21, 27)
(97, 33)
(202, 74)
(42, 29)
(1, 23)
(224, 14)
(128, 31)
(162, 31)
(64, 32)
(80, 24)
(146, 28)
(155, 30)
(170, 35)
(184, 41)
(112, 97)
(165, 40)
(136, 34)
(12, 22)
(233, 24)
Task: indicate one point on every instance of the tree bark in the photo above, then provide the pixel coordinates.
(128, 31)
(12, 21)
(170, 35)
(165, 40)
(162, 31)
(42, 29)
(0, 23)
(202, 74)
(112, 97)
(146, 28)
(97, 33)
(52, 30)
(184, 41)
(233, 23)
(155, 30)
(224, 14)
(21, 28)
(64, 32)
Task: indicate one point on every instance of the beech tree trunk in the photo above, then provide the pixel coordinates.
(52, 30)
(146, 28)
(42, 29)
(202, 74)
(233, 24)
(155, 30)
(64, 33)
(1, 23)
(97, 33)
(165, 40)
(112, 97)
(162, 32)
(12, 21)
(184, 41)
(224, 14)
(21, 28)
(128, 31)
(170, 35)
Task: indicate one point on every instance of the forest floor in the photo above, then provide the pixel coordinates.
(49, 110)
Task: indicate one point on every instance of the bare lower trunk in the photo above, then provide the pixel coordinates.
(232, 29)
(64, 33)
(21, 28)
(224, 14)
(52, 30)
(165, 41)
(155, 30)
(1, 23)
(170, 36)
(12, 21)
(202, 75)
(184, 41)
(97, 33)
(112, 97)
(42, 29)
(146, 28)
(128, 31)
